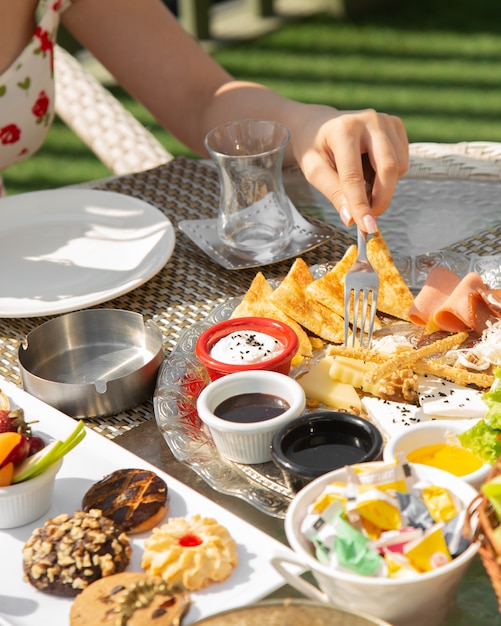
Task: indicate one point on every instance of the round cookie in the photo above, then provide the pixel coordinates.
(192, 553)
(131, 598)
(135, 499)
(67, 553)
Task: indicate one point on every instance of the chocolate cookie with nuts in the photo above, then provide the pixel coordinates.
(67, 553)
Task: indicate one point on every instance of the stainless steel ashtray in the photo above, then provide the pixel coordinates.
(92, 363)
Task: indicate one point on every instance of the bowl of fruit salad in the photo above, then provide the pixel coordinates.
(29, 463)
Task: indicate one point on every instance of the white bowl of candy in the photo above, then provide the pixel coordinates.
(381, 550)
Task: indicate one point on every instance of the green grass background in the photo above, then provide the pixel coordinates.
(435, 63)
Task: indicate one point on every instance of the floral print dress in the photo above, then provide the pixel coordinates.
(27, 89)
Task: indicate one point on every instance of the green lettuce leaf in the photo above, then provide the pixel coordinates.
(492, 399)
(483, 440)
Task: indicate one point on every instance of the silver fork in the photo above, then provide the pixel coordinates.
(361, 282)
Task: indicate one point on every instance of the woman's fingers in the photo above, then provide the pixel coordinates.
(357, 161)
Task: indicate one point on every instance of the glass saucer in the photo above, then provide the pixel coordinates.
(305, 236)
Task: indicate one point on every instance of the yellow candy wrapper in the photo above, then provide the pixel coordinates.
(430, 551)
(335, 492)
(379, 509)
(399, 565)
(440, 503)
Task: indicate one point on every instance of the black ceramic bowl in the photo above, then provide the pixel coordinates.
(322, 441)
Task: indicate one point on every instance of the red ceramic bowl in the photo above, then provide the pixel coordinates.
(280, 362)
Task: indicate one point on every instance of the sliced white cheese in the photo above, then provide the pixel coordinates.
(393, 417)
(441, 398)
(319, 386)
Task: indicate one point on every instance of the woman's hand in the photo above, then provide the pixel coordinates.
(354, 158)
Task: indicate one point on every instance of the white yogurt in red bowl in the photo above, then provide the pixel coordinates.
(247, 343)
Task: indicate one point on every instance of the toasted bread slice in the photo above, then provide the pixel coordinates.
(292, 297)
(257, 303)
(329, 289)
(395, 298)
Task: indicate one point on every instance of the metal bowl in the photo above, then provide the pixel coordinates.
(291, 612)
(92, 363)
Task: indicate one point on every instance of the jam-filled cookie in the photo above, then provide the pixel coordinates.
(191, 552)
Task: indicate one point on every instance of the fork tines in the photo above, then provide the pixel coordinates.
(361, 288)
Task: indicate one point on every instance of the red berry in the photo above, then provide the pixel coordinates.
(36, 444)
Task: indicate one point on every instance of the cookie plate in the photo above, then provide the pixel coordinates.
(93, 458)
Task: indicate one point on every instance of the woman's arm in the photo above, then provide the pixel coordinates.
(142, 44)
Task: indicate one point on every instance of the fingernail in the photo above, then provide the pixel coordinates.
(345, 216)
(370, 224)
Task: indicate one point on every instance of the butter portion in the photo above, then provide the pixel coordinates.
(319, 386)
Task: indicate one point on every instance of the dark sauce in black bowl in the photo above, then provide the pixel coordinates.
(247, 408)
(326, 451)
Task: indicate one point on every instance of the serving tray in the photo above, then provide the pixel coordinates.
(181, 378)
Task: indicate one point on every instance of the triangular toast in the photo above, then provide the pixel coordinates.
(329, 289)
(257, 303)
(395, 298)
(292, 297)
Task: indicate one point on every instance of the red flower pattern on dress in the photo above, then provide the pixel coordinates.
(39, 109)
(46, 44)
(57, 5)
(10, 134)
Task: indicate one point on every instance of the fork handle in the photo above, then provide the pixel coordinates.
(361, 244)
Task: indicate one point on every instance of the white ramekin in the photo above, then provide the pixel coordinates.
(429, 433)
(25, 502)
(248, 443)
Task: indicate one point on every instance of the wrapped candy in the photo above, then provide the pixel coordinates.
(383, 522)
(339, 544)
(430, 551)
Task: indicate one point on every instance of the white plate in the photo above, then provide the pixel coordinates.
(95, 456)
(66, 249)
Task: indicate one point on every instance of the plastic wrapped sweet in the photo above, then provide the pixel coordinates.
(383, 522)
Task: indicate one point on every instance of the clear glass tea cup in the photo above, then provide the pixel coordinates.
(255, 214)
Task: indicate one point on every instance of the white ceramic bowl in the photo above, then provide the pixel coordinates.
(25, 502)
(248, 442)
(414, 601)
(429, 433)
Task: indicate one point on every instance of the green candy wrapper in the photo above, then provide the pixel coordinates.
(350, 547)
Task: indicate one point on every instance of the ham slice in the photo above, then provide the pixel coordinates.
(465, 308)
(455, 304)
(438, 286)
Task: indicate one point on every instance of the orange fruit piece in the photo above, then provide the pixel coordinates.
(6, 474)
(8, 441)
